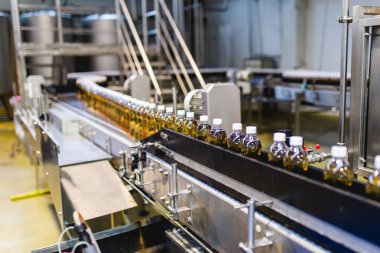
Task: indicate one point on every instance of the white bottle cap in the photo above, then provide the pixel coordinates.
(296, 141)
(217, 121)
(250, 130)
(169, 109)
(190, 115)
(377, 162)
(339, 151)
(237, 126)
(152, 106)
(203, 118)
(180, 112)
(161, 108)
(279, 137)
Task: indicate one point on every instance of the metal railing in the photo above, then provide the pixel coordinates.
(168, 41)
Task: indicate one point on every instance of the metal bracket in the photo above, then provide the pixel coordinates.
(174, 196)
(251, 245)
(346, 19)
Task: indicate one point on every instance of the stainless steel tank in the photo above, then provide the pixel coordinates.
(104, 32)
(45, 24)
(5, 55)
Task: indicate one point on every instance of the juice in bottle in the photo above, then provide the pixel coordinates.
(144, 120)
(338, 168)
(373, 185)
(235, 138)
(152, 119)
(203, 129)
(296, 156)
(218, 135)
(169, 118)
(251, 144)
(132, 117)
(160, 117)
(278, 149)
(179, 120)
(190, 125)
(137, 128)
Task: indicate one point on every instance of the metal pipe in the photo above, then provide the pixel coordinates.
(59, 20)
(343, 71)
(175, 191)
(251, 224)
(183, 44)
(140, 46)
(176, 54)
(174, 97)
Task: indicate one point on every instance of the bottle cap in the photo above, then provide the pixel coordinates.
(279, 137)
(296, 141)
(339, 151)
(169, 109)
(180, 112)
(190, 115)
(251, 130)
(377, 162)
(203, 118)
(217, 121)
(237, 126)
(152, 106)
(161, 108)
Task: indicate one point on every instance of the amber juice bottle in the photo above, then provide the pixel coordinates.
(179, 121)
(296, 156)
(278, 149)
(190, 125)
(203, 129)
(218, 135)
(152, 119)
(251, 144)
(338, 168)
(373, 185)
(235, 138)
(169, 119)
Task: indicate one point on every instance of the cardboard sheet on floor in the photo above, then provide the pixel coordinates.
(94, 189)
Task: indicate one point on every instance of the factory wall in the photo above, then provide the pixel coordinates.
(298, 33)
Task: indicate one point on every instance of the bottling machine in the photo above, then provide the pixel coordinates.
(167, 192)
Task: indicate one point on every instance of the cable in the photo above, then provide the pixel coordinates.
(60, 238)
(80, 244)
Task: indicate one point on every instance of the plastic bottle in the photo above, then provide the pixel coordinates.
(295, 156)
(278, 149)
(373, 185)
(190, 125)
(132, 118)
(152, 119)
(203, 129)
(137, 128)
(144, 110)
(169, 118)
(338, 168)
(218, 135)
(179, 120)
(160, 117)
(234, 141)
(251, 144)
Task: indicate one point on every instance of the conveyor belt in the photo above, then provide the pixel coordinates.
(348, 208)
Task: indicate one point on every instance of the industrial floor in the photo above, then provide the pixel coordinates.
(31, 223)
(25, 224)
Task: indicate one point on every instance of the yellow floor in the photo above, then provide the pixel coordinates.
(26, 224)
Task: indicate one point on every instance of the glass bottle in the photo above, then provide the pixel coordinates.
(218, 135)
(203, 129)
(169, 118)
(236, 137)
(278, 149)
(338, 168)
(160, 117)
(152, 119)
(251, 144)
(179, 121)
(373, 185)
(190, 125)
(296, 156)
(144, 120)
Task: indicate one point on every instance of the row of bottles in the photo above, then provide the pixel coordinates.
(141, 119)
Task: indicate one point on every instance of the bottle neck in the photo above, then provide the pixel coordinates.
(190, 118)
(217, 126)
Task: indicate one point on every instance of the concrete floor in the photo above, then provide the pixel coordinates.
(26, 224)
